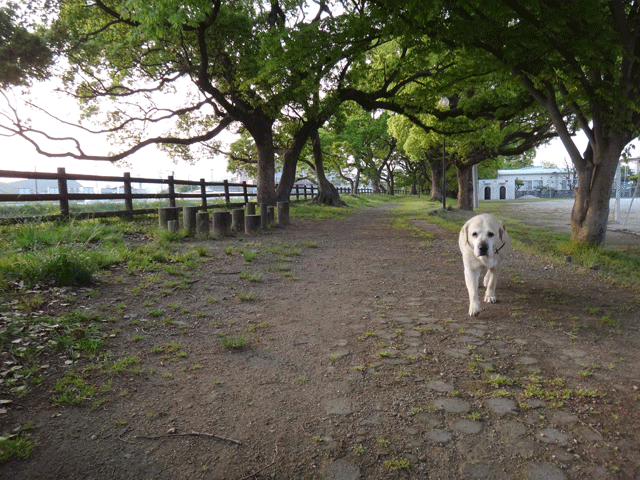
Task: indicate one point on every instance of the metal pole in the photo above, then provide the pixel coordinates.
(444, 175)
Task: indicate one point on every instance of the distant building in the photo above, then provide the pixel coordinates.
(120, 189)
(534, 181)
(35, 186)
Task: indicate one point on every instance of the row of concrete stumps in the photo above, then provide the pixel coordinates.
(224, 222)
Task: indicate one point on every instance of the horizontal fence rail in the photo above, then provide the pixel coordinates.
(202, 193)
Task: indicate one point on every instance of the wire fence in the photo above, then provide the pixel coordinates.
(624, 214)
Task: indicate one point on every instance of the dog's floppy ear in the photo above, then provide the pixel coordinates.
(466, 233)
(501, 232)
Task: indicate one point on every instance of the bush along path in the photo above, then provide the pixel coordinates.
(339, 349)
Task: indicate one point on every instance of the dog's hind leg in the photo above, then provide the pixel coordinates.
(490, 281)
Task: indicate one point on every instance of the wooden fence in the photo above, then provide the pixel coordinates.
(207, 191)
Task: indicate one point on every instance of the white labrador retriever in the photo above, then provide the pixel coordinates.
(484, 243)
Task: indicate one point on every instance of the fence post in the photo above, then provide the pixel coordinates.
(189, 219)
(221, 223)
(297, 192)
(252, 223)
(227, 198)
(128, 201)
(237, 219)
(246, 193)
(203, 193)
(202, 223)
(64, 194)
(172, 191)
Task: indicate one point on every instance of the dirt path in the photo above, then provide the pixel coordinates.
(360, 362)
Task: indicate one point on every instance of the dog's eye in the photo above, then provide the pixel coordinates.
(490, 234)
(474, 234)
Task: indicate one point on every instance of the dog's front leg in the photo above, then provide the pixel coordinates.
(490, 282)
(472, 278)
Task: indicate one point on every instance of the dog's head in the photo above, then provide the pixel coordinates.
(484, 235)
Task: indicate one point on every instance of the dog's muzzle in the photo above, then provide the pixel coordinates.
(483, 250)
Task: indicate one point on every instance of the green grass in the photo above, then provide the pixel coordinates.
(19, 445)
(73, 389)
(321, 212)
(613, 263)
(233, 342)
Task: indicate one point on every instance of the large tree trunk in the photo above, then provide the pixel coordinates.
(259, 127)
(327, 193)
(590, 211)
(356, 183)
(464, 173)
(436, 181)
(390, 181)
(290, 163)
(266, 170)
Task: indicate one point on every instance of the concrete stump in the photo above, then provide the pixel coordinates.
(264, 216)
(251, 208)
(252, 223)
(202, 223)
(165, 214)
(189, 218)
(237, 220)
(271, 213)
(173, 226)
(221, 223)
(283, 213)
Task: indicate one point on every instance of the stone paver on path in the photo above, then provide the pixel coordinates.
(503, 415)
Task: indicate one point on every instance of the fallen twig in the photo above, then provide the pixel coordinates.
(192, 434)
(588, 426)
(122, 434)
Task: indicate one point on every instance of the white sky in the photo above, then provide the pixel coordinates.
(150, 162)
(19, 155)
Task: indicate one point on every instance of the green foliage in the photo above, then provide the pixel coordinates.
(58, 253)
(76, 331)
(24, 54)
(73, 389)
(233, 342)
(18, 445)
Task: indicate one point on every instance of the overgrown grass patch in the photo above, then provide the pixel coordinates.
(18, 445)
(303, 209)
(612, 263)
(233, 342)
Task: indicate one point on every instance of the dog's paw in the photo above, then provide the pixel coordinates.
(490, 299)
(474, 309)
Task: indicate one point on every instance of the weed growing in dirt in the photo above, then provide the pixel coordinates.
(251, 277)
(397, 464)
(18, 445)
(233, 342)
(73, 389)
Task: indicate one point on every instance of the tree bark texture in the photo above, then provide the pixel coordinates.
(436, 181)
(590, 212)
(464, 173)
(327, 193)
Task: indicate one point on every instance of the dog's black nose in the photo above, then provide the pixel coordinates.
(483, 249)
